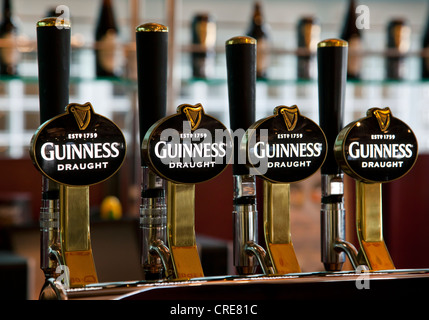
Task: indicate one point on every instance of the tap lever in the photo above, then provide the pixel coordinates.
(241, 77)
(53, 60)
(152, 58)
(332, 76)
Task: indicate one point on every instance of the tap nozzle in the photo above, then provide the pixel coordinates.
(245, 216)
(333, 240)
(153, 224)
(49, 222)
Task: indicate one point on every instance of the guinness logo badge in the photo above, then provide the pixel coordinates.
(285, 153)
(79, 147)
(378, 148)
(187, 147)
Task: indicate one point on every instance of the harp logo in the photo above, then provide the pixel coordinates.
(82, 114)
(290, 116)
(382, 116)
(193, 114)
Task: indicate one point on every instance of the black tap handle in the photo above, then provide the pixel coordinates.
(152, 50)
(241, 74)
(332, 75)
(53, 57)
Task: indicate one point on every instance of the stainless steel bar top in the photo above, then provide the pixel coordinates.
(382, 285)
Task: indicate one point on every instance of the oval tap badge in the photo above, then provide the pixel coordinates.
(79, 147)
(286, 147)
(377, 148)
(187, 147)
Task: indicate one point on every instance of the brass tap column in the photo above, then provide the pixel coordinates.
(185, 149)
(373, 150)
(283, 149)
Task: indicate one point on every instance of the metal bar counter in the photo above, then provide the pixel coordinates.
(399, 284)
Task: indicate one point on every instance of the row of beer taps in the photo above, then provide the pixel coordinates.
(163, 256)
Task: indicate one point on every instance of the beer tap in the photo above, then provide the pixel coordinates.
(73, 148)
(53, 46)
(152, 46)
(332, 73)
(241, 74)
